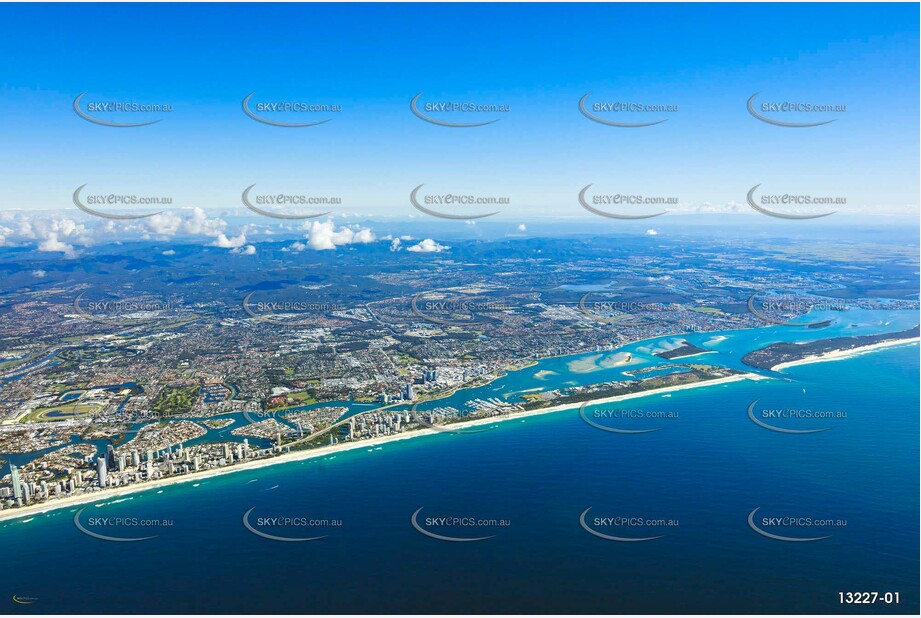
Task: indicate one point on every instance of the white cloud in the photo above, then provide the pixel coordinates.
(651, 232)
(710, 208)
(196, 222)
(57, 231)
(245, 250)
(296, 246)
(169, 252)
(323, 235)
(395, 244)
(39, 273)
(53, 232)
(199, 223)
(364, 236)
(52, 243)
(428, 246)
(164, 223)
(522, 227)
(229, 243)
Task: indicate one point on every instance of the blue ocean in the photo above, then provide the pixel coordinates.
(690, 486)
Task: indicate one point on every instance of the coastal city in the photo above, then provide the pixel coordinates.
(103, 391)
(460, 309)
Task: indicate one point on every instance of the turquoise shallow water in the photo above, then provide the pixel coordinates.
(726, 349)
(704, 470)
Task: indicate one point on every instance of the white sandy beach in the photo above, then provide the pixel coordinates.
(842, 354)
(108, 494)
(323, 451)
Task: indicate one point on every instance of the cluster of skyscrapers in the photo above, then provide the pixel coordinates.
(23, 492)
(407, 393)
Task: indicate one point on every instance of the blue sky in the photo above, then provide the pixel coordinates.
(537, 59)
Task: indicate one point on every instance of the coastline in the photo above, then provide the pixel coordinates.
(107, 494)
(842, 354)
